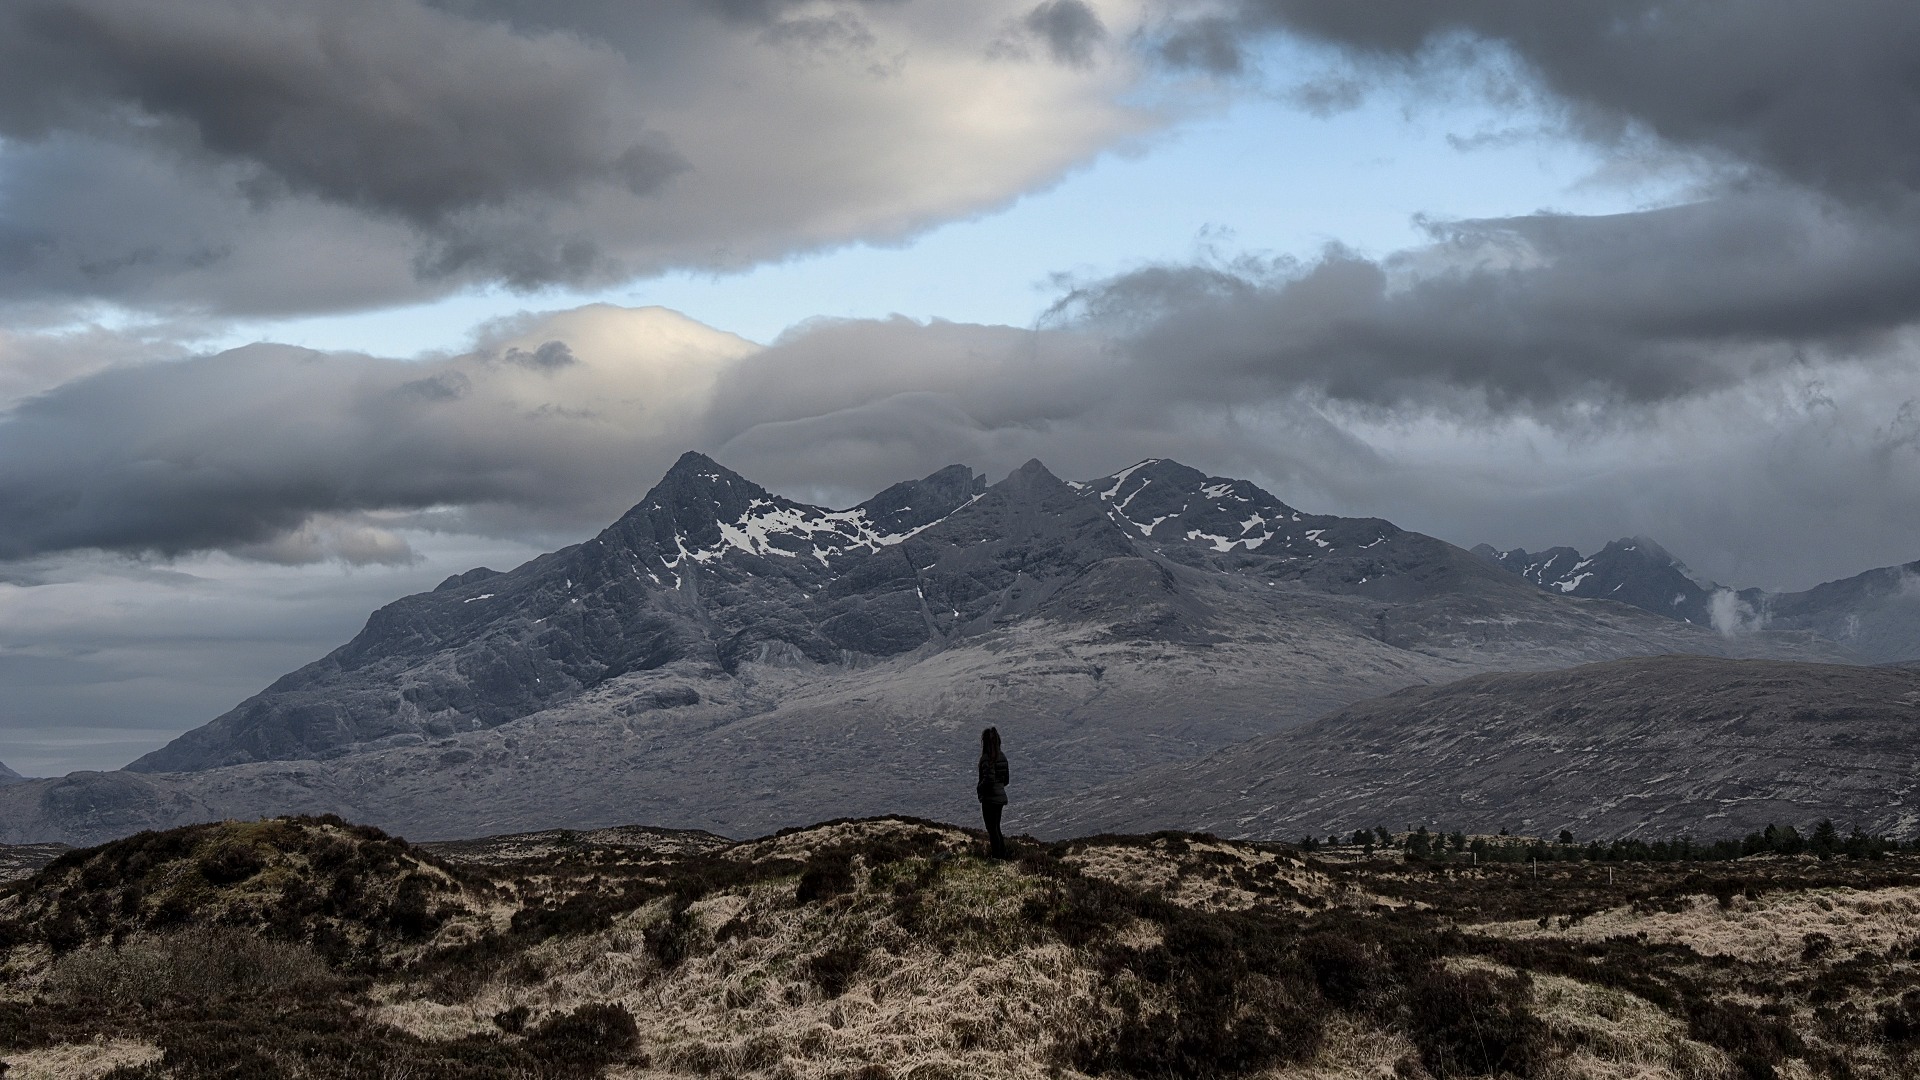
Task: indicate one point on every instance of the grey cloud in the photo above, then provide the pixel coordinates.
(1822, 95)
(1544, 313)
(242, 450)
(389, 105)
(278, 454)
(1209, 43)
(383, 151)
(550, 356)
(1070, 29)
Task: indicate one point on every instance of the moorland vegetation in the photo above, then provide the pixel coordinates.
(891, 948)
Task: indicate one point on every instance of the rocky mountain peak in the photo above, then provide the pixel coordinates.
(8, 776)
(915, 504)
(1632, 570)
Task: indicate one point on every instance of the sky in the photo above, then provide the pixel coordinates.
(305, 306)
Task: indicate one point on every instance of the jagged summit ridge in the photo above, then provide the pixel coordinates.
(1632, 570)
(1170, 503)
(701, 511)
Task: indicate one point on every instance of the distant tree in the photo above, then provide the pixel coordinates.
(1861, 846)
(1458, 840)
(1363, 836)
(1309, 842)
(1503, 831)
(1788, 841)
(1566, 837)
(1419, 845)
(1826, 839)
(1386, 838)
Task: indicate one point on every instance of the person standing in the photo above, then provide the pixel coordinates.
(992, 788)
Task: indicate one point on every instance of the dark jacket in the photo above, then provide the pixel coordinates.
(992, 787)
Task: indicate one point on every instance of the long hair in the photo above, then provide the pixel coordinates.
(990, 743)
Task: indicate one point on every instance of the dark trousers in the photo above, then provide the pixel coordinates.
(992, 813)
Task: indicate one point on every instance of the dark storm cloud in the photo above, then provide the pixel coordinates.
(280, 156)
(386, 105)
(1824, 95)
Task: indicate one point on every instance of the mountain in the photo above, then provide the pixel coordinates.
(1633, 571)
(708, 567)
(1872, 617)
(723, 658)
(1656, 747)
(8, 776)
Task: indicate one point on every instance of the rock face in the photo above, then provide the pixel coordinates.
(1659, 747)
(723, 658)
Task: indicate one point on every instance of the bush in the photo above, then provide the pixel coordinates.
(409, 915)
(1348, 975)
(1473, 1024)
(828, 874)
(588, 1038)
(230, 862)
(833, 970)
(1756, 1042)
(196, 966)
(671, 940)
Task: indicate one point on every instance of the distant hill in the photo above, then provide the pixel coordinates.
(8, 776)
(1656, 747)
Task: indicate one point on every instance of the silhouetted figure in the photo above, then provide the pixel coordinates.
(992, 788)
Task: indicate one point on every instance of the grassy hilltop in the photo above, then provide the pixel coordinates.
(888, 948)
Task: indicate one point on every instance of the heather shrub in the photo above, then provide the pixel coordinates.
(198, 965)
(1475, 1024)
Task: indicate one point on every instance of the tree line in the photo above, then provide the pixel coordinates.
(1824, 841)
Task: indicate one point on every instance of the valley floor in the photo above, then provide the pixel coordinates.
(891, 948)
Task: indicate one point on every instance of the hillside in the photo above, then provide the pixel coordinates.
(891, 949)
(1660, 746)
(726, 659)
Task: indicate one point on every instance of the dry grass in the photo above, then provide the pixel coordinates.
(1616, 1034)
(747, 1004)
(78, 1061)
(1771, 929)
